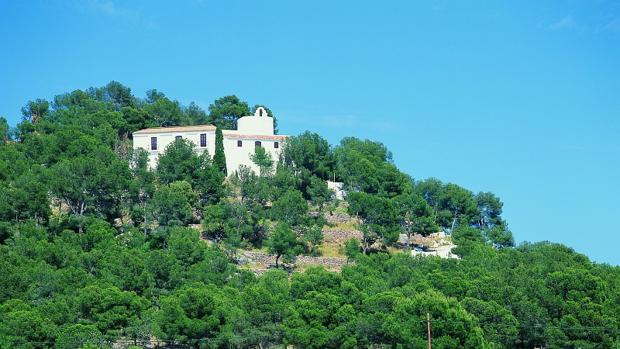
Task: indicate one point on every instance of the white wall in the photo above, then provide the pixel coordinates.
(165, 138)
(237, 156)
(250, 129)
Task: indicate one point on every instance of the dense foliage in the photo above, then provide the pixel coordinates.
(96, 249)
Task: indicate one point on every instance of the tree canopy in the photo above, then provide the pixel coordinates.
(99, 250)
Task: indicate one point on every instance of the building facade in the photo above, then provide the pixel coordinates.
(252, 131)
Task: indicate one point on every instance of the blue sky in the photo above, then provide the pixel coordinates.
(519, 98)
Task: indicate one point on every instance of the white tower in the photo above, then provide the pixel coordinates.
(260, 123)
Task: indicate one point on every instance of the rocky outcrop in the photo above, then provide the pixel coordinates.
(260, 261)
(336, 236)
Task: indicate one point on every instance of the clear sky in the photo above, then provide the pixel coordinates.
(519, 98)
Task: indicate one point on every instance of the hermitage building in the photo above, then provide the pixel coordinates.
(252, 131)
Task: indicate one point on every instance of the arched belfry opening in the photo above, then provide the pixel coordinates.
(260, 111)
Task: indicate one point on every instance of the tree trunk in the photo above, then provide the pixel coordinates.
(454, 221)
(145, 217)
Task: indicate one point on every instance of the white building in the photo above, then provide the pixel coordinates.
(252, 131)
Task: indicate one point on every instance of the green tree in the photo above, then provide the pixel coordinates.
(402, 321)
(290, 208)
(265, 302)
(4, 131)
(178, 162)
(284, 242)
(225, 111)
(490, 210)
(415, 215)
(466, 238)
(210, 181)
(379, 218)
(113, 311)
(318, 192)
(203, 316)
(142, 187)
(352, 249)
(163, 111)
(172, 204)
(367, 166)
(35, 110)
(97, 183)
(194, 115)
(219, 159)
(461, 203)
(233, 221)
(80, 336)
(309, 151)
(136, 119)
(263, 160)
(21, 326)
(313, 238)
(500, 327)
(319, 315)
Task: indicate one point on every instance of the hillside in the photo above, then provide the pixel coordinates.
(99, 250)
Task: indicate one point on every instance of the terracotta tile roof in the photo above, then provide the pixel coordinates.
(259, 137)
(175, 129)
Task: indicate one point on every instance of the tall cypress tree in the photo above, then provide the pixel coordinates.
(219, 159)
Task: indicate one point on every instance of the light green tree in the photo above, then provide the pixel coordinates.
(263, 160)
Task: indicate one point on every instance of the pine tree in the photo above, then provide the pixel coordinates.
(219, 159)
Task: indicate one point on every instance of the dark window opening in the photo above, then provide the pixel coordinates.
(257, 144)
(153, 143)
(260, 112)
(203, 140)
(240, 143)
(276, 145)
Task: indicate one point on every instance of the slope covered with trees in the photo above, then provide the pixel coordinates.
(98, 250)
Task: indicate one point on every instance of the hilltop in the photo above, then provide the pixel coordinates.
(99, 249)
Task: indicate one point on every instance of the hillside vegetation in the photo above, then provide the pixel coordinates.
(97, 250)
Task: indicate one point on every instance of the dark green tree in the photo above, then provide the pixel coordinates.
(352, 249)
(290, 208)
(163, 111)
(318, 192)
(35, 110)
(414, 215)
(379, 218)
(172, 204)
(225, 111)
(4, 131)
(219, 158)
(178, 162)
(284, 242)
(309, 151)
(199, 315)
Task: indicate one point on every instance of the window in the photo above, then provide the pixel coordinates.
(153, 143)
(276, 145)
(239, 144)
(257, 144)
(203, 140)
(178, 138)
